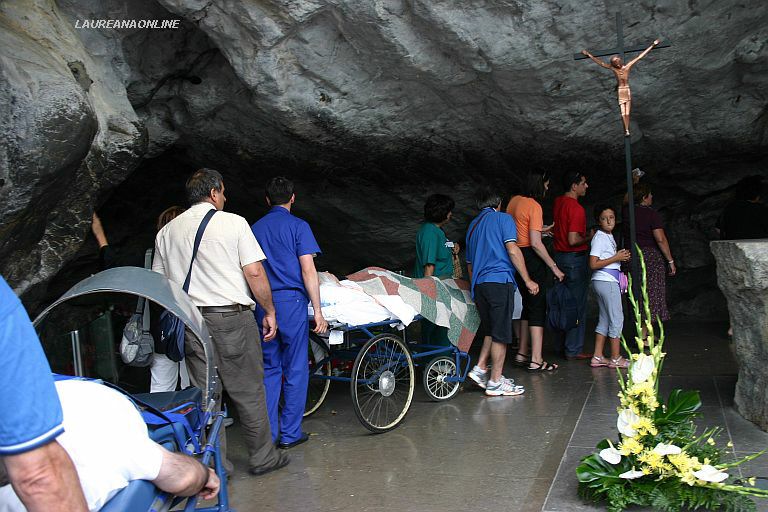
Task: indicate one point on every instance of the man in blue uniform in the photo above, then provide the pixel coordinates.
(41, 472)
(290, 247)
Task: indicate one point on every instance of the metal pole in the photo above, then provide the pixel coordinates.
(631, 210)
(77, 353)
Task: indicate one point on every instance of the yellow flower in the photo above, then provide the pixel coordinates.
(684, 463)
(730, 444)
(652, 459)
(751, 481)
(630, 446)
(644, 426)
(688, 478)
(711, 442)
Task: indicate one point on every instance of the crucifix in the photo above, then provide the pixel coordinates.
(621, 71)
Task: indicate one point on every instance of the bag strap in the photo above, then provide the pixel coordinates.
(145, 305)
(613, 272)
(469, 237)
(198, 239)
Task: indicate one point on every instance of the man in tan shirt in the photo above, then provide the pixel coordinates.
(227, 270)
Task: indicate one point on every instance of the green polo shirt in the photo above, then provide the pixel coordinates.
(431, 250)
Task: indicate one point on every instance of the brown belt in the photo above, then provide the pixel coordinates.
(232, 308)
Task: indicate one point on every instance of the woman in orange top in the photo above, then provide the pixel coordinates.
(528, 216)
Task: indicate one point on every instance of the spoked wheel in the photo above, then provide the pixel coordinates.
(317, 389)
(435, 373)
(382, 383)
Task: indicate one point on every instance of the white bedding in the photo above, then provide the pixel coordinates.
(345, 302)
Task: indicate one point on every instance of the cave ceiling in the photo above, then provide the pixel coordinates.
(369, 106)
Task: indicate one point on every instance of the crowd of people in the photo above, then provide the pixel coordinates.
(506, 254)
(71, 445)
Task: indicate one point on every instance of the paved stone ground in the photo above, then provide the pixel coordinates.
(474, 452)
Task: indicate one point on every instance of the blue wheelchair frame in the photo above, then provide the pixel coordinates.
(356, 338)
(186, 421)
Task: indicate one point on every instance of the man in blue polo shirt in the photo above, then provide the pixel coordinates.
(290, 247)
(41, 472)
(492, 257)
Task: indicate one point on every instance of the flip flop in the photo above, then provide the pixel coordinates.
(542, 367)
(524, 362)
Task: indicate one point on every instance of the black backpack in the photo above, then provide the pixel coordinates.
(562, 310)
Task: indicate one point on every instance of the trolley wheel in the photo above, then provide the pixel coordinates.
(382, 383)
(434, 376)
(317, 389)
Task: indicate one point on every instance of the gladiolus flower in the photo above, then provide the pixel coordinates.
(710, 474)
(642, 368)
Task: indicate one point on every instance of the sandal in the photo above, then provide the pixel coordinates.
(597, 362)
(525, 361)
(542, 367)
(619, 362)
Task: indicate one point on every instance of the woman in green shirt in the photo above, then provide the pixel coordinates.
(434, 255)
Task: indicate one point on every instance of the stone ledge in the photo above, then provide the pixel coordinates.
(742, 275)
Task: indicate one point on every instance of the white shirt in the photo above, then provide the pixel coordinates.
(227, 246)
(604, 247)
(106, 439)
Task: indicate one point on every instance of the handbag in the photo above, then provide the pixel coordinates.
(169, 329)
(620, 276)
(137, 344)
(458, 273)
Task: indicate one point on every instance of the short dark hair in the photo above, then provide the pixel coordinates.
(572, 178)
(279, 190)
(600, 208)
(437, 207)
(640, 191)
(534, 185)
(200, 184)
(168, 215)
(487, 197)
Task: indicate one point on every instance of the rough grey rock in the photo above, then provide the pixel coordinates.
(63, 139)
(742, 274)
(371, 105)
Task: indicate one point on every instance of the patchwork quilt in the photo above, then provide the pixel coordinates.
(444, 302)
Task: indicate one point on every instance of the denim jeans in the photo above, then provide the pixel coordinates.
(576, 269)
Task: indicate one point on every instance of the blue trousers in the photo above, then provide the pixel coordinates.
(577, 277)
(286, 366)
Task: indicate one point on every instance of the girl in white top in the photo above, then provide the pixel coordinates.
(604, 261)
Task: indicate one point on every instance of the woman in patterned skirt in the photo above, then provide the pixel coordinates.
(650, 235)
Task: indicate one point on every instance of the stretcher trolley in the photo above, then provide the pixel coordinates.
(187, 421)
(379, 365)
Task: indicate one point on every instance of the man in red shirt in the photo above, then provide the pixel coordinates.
(572, 255)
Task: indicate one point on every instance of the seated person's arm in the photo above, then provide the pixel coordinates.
(181, 475)
(45, 479)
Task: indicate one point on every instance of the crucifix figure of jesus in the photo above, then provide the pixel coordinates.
(621, 71)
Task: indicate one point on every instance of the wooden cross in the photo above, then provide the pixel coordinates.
(621, 51)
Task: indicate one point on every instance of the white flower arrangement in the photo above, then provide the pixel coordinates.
(659, 460)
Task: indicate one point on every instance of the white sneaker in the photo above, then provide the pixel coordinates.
(479, 376)
(505, 387)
